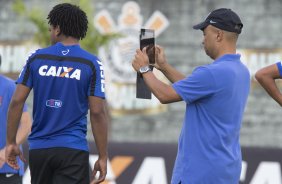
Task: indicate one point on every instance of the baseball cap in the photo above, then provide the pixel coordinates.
(224, 19)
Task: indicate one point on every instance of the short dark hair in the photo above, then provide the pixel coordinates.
(71, 20)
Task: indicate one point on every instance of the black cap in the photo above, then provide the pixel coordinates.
(224, 19)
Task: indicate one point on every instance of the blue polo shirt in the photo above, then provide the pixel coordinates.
(208, 148)
(7, 88)
(62, 78)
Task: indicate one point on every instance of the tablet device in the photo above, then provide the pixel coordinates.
(147, 39)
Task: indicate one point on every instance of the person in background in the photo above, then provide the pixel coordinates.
(66, 82)
(215, 95)
(9, 175)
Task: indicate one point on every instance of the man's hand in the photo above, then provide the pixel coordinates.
(12, 151)
(2, 157)
(101, 166)
(141, 59)
(160, 58)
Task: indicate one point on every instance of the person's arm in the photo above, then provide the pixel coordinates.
(2, 157)
(24, 128)
(163, 92)
(99, 126)
(266, 77)
(22, 134)
(161, 64)
(14, 116)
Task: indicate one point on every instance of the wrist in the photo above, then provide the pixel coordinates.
(103, 157)
(145, 69)
(11, 142)
(163, 67)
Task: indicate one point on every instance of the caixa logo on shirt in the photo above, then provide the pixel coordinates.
(54, 71)
(54, 103)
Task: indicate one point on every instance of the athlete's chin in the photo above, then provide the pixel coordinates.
(209, 54)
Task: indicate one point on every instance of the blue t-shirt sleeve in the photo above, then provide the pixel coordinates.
(279, 66)
(11, 91)
(97, 82)
(25, 76)
(25, 108)
(199, 84)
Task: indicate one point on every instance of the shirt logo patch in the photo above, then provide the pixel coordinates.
(9, 175)
(212, 22)
(54, 103)
(1, 99)
(59, 72)
(65, 52)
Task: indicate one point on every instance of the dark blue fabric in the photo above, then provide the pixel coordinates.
(62, 77)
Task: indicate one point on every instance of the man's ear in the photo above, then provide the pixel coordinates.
(219, 36)
(57, 30)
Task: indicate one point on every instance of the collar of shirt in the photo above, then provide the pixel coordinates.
(229, 57)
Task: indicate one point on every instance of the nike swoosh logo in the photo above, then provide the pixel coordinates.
(212, 22)
(9, 175)
(65, 52)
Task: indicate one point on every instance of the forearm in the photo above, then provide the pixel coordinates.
(24, 128)
(163, 92)
(171, 73)
(100, 133)
(14, 116)
(271, 88)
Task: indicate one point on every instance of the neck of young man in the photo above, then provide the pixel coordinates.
(68, 40)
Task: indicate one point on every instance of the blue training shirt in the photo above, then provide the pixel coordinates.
(209, 150)
(7, 88)
(62, 77)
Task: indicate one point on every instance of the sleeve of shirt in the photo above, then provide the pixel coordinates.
(97, 82)
(11, 91)
(25, 76)
(198, 85)
(25, 108)
(279, 66)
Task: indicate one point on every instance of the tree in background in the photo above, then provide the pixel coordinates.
(93, 40)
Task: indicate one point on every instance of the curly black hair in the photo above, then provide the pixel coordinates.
(71, 20)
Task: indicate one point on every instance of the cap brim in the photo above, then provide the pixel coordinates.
(201, 26)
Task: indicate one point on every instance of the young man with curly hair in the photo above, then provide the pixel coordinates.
(67, 81)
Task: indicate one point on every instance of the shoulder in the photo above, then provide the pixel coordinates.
(7, 83)
(201, 74)
(204, 74)
(89, 56)
(91, 59)
(33, 55)
(41, 51)
(7, 80)
(205, 70)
